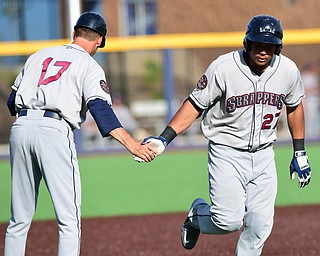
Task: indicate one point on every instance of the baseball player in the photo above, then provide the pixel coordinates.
(241, 96)
(50, 97)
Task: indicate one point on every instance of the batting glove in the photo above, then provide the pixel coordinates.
(300, 165)
(158, 143)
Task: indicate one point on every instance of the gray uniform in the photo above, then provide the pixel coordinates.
(60, 79)
(68, 80)
(240, 118)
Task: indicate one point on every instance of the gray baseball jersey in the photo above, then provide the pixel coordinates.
(242, 109)
(65, 94)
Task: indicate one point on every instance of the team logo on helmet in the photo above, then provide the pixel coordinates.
(267, 29)
(202, 83)
(104, 86)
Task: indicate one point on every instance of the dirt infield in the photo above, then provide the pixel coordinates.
(295, 233)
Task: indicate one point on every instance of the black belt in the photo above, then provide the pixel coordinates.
(46, 113)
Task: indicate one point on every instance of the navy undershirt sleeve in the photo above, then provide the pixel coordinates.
(11, 103)
(104, 116)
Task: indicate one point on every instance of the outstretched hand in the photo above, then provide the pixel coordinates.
(144, 152)
(157, 143)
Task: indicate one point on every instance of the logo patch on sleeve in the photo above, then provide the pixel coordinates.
(202, 83)
(104, 86)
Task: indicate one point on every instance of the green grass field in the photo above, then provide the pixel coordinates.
(113, 184)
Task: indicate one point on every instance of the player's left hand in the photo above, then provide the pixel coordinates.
(300, 165)
(158, 143)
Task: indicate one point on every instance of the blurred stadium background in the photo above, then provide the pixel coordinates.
(156, 51)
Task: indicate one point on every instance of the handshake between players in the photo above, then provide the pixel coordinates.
(158, 143)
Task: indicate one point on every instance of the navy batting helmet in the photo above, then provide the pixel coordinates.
(264, 29)
(95, 22)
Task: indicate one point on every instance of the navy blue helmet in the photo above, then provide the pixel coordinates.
(264, 29)
(95, 22)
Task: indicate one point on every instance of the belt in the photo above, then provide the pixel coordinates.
(46, 113)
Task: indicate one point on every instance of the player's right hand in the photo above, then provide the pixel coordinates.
(158, 143)
(143, 152)
(300, 165)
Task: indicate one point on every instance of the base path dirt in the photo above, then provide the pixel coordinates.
(295, 233)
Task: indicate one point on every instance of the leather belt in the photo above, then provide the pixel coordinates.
(46, 113)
